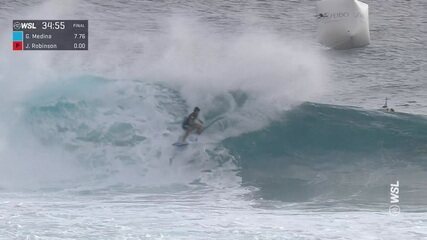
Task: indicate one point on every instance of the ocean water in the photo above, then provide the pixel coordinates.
(299, 148)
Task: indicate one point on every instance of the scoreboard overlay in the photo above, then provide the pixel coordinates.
(50, 35)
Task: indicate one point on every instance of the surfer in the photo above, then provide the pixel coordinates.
(191, 123)
(386, 108)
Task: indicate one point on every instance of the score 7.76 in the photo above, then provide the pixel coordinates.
(79, 35)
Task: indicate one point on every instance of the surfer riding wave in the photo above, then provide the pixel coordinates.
(191, 123)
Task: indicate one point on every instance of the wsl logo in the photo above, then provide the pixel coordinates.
(23, 25)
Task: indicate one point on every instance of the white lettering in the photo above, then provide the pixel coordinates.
(41, 36)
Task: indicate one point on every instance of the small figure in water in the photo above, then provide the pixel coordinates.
(191, 123)
(386, 108)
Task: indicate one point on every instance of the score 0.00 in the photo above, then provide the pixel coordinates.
(79, 45)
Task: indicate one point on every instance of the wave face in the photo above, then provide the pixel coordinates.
(319, 152)
(95, 132)
(102, 132)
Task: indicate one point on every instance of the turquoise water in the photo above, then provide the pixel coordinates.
(302, 149)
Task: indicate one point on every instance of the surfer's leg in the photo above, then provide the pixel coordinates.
(187, 132)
